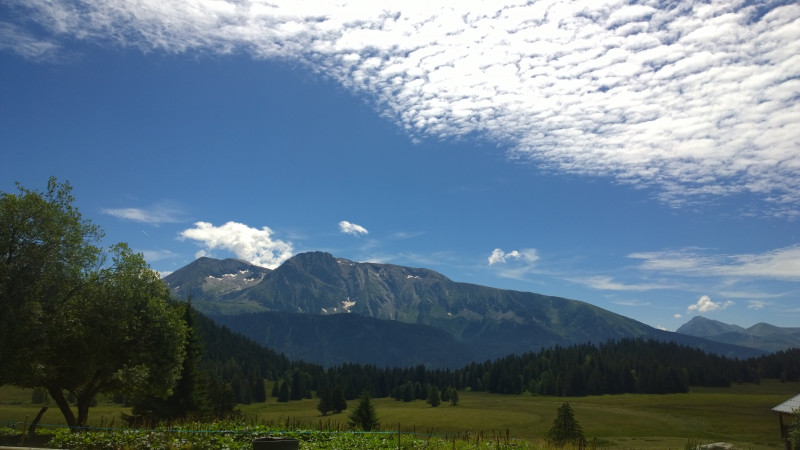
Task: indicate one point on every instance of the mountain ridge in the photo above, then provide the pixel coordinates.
(762, 336)
(490, 322)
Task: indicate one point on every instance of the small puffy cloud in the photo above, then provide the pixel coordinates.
(352, 228)
(499, 256)
(678, 316)
(756, 304)
(704, 304)
(154, 215)
(253, 245)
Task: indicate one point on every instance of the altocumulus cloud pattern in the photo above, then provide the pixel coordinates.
(694, 99)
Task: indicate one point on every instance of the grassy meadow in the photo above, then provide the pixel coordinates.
(740, 415)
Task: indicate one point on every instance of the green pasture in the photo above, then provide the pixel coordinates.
(740, 415)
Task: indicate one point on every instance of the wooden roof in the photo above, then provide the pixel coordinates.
(790, 406)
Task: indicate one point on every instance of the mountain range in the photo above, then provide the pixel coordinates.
(762, 336)
(331, 311)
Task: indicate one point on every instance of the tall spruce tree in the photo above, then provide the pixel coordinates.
(434, 398)
(364, 416)
(325, 404)
(339, 402)
(565, 429)
(283, 393)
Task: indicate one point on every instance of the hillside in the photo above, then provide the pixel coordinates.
(206, 280)
(487, 322)
(762, 336)
(347, 338)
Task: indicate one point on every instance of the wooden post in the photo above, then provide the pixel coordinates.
(24, 430)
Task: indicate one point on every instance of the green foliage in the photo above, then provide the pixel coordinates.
(565, 429)
(337, 397)
(238, 436)
(283, 393)
(450, 395)
(434, 398)
(190, 397)
(794, 433)
(325, 404)
(364, 416)
(46, 249)
(80, 326)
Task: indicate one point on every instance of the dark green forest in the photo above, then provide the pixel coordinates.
(235, 369)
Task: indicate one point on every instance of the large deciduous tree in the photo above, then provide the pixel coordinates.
(71, 323)
(46, 251)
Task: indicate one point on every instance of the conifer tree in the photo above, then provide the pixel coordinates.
(325, 400)
(276, 389)
(565, 429)
(338, 401)
(434, 399)
(364, 416)
(283, 393)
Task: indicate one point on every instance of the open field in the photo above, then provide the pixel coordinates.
(740, 415)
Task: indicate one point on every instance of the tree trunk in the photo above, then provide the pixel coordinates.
(58, 396)
(32, 429)
(84, 402)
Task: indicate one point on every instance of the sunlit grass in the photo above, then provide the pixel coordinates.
(740, 415)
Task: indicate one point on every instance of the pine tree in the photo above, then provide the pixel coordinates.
(434, 399)
(364, 416)
(258, 389)
(566, 429)
(325, 400)
(338, 401)
(283, 393)
(276, 389)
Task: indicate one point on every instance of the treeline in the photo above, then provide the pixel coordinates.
(616, 367)
(233, 369)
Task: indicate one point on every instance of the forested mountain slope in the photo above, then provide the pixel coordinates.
(487, 322)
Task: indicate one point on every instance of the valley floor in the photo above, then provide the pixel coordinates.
(740, 415)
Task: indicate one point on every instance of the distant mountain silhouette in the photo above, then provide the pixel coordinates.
(482, 322)
(762, 336)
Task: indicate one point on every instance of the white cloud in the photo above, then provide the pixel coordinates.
(155, 215)
(756, 304)
(16, 39)
(249, 244)
(678, 316)
(351, 228)
(777, 264)
(520, 263)
(529, 256)
(156, 255)
(704, 304)
(696, 100)
(609, 284)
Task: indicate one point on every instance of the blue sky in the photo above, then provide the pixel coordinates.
(640, 156)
